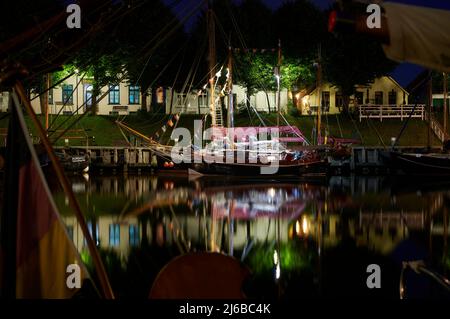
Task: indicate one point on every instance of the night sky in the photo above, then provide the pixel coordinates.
(404, 73)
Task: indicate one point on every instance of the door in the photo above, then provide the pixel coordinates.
(88, 96)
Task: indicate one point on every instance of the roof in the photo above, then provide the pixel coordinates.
(396, 83)
(387, 76)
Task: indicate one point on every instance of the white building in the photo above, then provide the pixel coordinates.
(197, 102)
(122, 99)
(382, 91)
(68, 98)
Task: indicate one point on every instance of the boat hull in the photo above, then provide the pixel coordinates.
(420, 164)
(236, 169)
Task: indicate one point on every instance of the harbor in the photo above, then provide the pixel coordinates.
(254, 150)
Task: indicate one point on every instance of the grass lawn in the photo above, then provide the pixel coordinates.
(106, 133)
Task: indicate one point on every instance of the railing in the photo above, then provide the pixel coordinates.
(436, 127)
(391, 111)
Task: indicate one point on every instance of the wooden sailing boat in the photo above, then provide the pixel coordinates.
(250, 157)
(425, 163)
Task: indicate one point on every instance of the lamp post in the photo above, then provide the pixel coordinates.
(76, 87)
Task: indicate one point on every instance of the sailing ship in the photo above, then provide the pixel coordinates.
(228, 155)
(426, 162)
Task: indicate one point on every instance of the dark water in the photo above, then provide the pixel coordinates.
(298, 238)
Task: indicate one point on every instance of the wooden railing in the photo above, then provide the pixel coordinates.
(391, 111)
(436, 127)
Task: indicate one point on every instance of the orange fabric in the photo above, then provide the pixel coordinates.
(200, 276)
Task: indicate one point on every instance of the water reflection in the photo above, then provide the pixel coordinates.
(298, 238)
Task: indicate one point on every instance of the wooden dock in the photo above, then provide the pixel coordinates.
(116, 158)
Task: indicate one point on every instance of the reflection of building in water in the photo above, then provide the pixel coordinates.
(357, 185)
(379, 231)
(186, 230)
(231, 218)
(108, 233)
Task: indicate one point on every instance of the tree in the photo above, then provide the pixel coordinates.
(134, 48)
(351, 59)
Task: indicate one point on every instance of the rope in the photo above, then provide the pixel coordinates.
(356, 127)
(339, 125)
(65, 103)
(406, 123)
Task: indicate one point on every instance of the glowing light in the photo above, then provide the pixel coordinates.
(305, 100)
(297, 227)
(271, 192)
(277, 272)
(305, 226)
(275, 257)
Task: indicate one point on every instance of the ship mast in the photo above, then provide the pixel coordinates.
(319, 92)
(445, 103)
(230, 118)
(212, 60)
(278, 76)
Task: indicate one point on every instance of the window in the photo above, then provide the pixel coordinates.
(181, 99)
(379, 97)
(50, 96)
(134, 235)
(88, 89)
(133, 94)
(203, 100)
(67, 93)
(160, 95)
(114, 234)
(326, 101)
(89, 225)
(339, 100)
(114, 94)
(392, 97)
(359, 96)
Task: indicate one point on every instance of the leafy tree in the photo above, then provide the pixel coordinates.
(134, 48)
(351, 59)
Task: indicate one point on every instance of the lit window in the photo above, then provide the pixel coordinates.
(114, 94)
(114, 235)
(203, 100)
(134, 235)
(67, 93)
(89, 225)
(160, 95)
(134, 93)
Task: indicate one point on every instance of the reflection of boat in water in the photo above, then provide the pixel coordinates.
(248, 203)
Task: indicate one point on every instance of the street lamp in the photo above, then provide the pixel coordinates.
(76, 86)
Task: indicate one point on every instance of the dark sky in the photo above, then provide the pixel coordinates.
(322, 4)
(404, 73)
